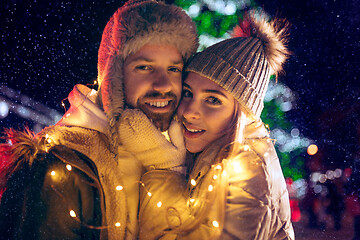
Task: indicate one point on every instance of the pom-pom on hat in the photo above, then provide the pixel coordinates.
(243, 64)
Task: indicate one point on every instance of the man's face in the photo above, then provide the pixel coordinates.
(152, 82)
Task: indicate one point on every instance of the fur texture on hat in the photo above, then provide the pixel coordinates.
(131, 27)
(272, 35)
(243, 64)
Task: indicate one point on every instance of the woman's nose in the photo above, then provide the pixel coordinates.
(191, 110)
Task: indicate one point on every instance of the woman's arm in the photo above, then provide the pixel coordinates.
(257, 191)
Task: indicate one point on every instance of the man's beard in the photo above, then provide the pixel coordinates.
(160, 120)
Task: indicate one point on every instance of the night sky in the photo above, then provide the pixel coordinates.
(49, 46)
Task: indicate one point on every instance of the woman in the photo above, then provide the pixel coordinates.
(235, 189)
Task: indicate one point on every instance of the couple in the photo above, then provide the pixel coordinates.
(80, 179)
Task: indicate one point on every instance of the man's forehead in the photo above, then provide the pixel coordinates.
(153, 53)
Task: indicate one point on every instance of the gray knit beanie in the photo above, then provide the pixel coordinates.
(243, 64)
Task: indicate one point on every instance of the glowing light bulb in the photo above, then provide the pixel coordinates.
(224, 173)
(215, 224)
(192, 200)
(236, 166)
(72, 213)
(215, 177)
(67, 115)
(53, 173)
(159, 204)
(193, 182)
(218, 167)
(92, 92)
(166, 134)
(149, 193)
(266, 154)
(210, 188)
(246, 147)
(119, 187)
(117, 224)
(68, 167)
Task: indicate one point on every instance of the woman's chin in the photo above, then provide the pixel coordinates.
(193, 148)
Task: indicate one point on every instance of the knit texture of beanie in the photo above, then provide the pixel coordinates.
(243, 65)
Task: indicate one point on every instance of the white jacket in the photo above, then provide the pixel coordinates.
(248, 201)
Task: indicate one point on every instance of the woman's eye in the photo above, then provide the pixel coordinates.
(213, 100)
(175, 69)
(186, 93)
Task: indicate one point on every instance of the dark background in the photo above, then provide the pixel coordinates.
(324, 71)
(49, 46)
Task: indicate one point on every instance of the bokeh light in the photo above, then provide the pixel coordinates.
(312, 149)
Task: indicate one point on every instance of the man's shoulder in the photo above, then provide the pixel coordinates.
(28, 151)
(71, 159)
(67, 132)
(84, 140)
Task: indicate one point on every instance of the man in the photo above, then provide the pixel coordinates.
(75, 180)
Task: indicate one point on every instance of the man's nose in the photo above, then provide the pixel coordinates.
(162, 83)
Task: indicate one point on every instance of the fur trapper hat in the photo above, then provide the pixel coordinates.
(243, 64)
(131, 27)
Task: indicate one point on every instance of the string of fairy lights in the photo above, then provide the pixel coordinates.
(287, 140)
(219, 171)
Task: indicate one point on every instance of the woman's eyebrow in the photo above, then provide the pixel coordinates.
(186, 85)
(208, 90)
(215, 91)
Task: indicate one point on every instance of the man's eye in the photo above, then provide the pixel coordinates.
(186, 93)
(175, 69)
(143, 67)
(213, 101)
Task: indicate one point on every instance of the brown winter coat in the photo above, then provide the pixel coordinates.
(49, 185)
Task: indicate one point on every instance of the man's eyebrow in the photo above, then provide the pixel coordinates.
(145, 59)
(141, 58)
(208, 90)
(178, 62)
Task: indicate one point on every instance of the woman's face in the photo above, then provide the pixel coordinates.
(206, 110)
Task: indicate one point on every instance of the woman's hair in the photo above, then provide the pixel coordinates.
(225, 147)
(235, 131)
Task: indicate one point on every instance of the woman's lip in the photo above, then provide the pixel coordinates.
(188, 134)
(191, 134)
(190, 126)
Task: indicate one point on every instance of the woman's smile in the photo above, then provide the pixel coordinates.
(206, 111)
